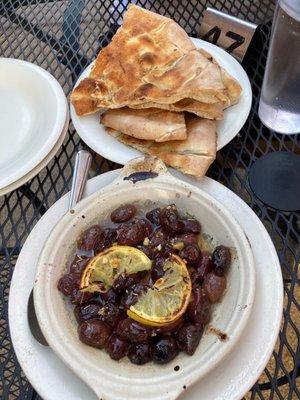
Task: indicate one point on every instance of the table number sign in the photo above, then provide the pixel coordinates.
(232, 34)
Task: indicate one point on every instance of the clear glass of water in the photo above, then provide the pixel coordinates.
(279, 107)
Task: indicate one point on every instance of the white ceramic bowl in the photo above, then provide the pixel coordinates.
(122, 380)
(33, 112)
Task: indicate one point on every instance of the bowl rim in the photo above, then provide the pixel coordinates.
(70, 359)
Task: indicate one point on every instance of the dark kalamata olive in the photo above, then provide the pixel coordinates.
(169, 219)
(153, 216)
(132, 331)
(132, 294)
(68, 283)
(191, 225)
(107, 297)
(116, 347)
(79, 297)
(148, 228)
(221, 259)
(139, 353)
(157, 269)
(171, 328)
(123, 213)
(131, 235)
(124, 281)
(198, 309)
(94, 333)
(87, 311)
(214, 287)
(158, 237)
(106, 238)
(185, 238)
(149, 251)
(110, 314)
(87, 241)
(166, 251)
(190, 254)
(204, 266)
(78, 264)
(189, 337)
(164, 350)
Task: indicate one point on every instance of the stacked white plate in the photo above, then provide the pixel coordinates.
(34, 120)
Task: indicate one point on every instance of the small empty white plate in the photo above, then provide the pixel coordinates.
(33, 112)
(94, 135)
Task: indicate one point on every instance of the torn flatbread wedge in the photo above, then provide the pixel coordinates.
(204, 110)
(192, 156)
(148, 124)
(150, 59)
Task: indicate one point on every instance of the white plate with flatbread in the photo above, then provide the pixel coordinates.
(95, 136)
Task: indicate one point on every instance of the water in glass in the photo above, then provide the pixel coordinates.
(279, 107)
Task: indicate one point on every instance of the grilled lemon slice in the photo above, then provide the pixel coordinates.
(167, 299)
(103, 269)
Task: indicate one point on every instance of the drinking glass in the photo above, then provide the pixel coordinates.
(279, 107)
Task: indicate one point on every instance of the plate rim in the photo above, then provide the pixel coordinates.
(36, 170)
(94, 185)
(60, 118)
(130, 153)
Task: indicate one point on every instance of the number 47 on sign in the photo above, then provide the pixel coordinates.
(226, 31)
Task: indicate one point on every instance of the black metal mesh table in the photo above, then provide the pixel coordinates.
(63, 37)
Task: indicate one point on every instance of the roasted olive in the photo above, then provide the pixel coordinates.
(214, 287)
(111, 314)
(87, 241)
(148, 229)
(203, 267)
(68, 282)
(149, 251)
(189, 337)
(124, 281)
(199, 308)
(123, 213)
(79, 297)
(78, 264)
(87, 311)
(139, 353)
(132, 294)
(116, 347)
(190, 254)
(185, 238)
(94, 333)
(153, 216)
(166, 251)
(191, 225)
(132, 331)
(169, 219)
(164, 350)
(170, 328)
(106, 238)
(221, 259)
(158, 237)
(131, 235)
(107, 297)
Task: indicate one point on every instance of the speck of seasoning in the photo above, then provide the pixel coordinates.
(72, 211)
(83, 216)
(176, 368)
(184, 387)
